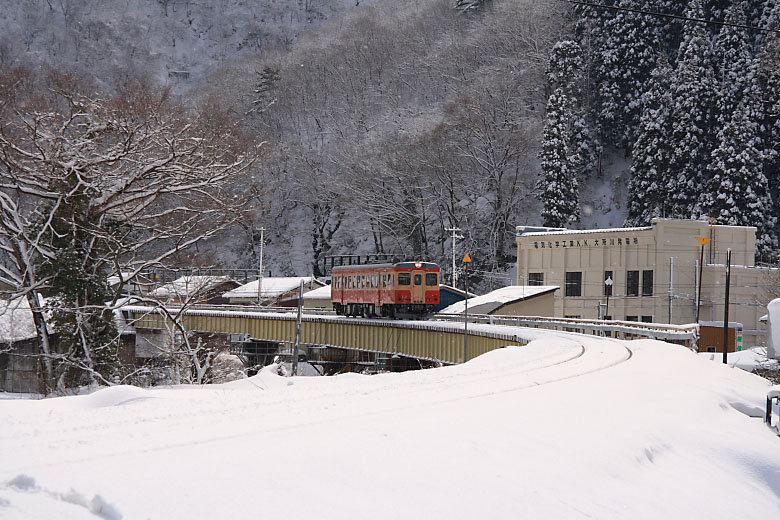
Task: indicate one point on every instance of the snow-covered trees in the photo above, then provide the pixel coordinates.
(558, 185)
(647, 193)
(91, 187)
(631, 45)
(565, 150)
(737, 193)
(693, 88)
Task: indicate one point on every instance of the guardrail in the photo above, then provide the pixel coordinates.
(685, 334)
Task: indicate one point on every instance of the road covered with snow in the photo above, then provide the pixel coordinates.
(568, 426)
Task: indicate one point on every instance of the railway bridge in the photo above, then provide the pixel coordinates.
(439, 340)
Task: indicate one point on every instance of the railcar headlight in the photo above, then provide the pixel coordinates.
(418, 264)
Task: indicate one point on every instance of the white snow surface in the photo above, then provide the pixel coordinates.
(272, 287)
(566, 427)
(16, 320)
(489, 302)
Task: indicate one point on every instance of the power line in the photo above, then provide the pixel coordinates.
(673, 16)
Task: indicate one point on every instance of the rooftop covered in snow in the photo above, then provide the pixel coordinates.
(188, 286)
(272, 287)
(493, 301)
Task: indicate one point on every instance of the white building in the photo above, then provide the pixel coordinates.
(653, 271)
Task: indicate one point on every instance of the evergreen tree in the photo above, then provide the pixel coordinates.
(769, 75)
(263, 92)
(692, 88)
(566, 71)
(628, 57)
(647, 196)
(737, 193)
(558, 185)
(77, 286)
(734, 68)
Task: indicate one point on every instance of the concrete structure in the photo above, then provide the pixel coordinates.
(653, 270)
(510, 301)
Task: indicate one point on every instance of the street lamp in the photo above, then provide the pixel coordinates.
(607, 289)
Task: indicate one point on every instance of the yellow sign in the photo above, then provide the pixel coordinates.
(467, 259)
(704, 241)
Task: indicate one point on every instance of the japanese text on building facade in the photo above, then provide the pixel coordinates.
(590, 242)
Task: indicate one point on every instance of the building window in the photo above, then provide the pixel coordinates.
(647, 319)
(712, 349)
(574, 284)
(535, 278)
(608, 287)
(632, 318)
(647, 283)
(632, 283)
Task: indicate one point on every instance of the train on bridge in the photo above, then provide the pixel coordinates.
(400, 290)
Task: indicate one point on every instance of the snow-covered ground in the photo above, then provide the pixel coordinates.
(566, 427)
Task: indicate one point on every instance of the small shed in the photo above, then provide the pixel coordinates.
(515, 300)
(711, 336)
(18, 347)
(275, 291)
(450, 295)
(195, 289)
(319, 298)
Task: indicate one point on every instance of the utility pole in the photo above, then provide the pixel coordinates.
(260, 278)
(703, 242)
(455, 236)
(726, 310)
(466, 262)
(671, 287)
(298, 331)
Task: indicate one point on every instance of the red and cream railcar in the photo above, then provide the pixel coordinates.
(402, 290)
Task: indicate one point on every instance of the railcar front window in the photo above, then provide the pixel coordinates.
(431, 279)
(404, 279)
(418, 279)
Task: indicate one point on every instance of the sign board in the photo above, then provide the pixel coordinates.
(704, 241)
(739, 339)
(467, 259)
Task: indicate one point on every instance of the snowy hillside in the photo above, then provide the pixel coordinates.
(116, 41)
(566, 427)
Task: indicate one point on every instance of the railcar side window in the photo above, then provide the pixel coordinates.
(431, 279)
(418, 279)
(404, 279)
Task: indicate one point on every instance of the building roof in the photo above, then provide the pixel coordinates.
(586, 231)
(188, 286)
(320, 293)
(494, 300)
(455, 290)
(271, 288)
(16, 320)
